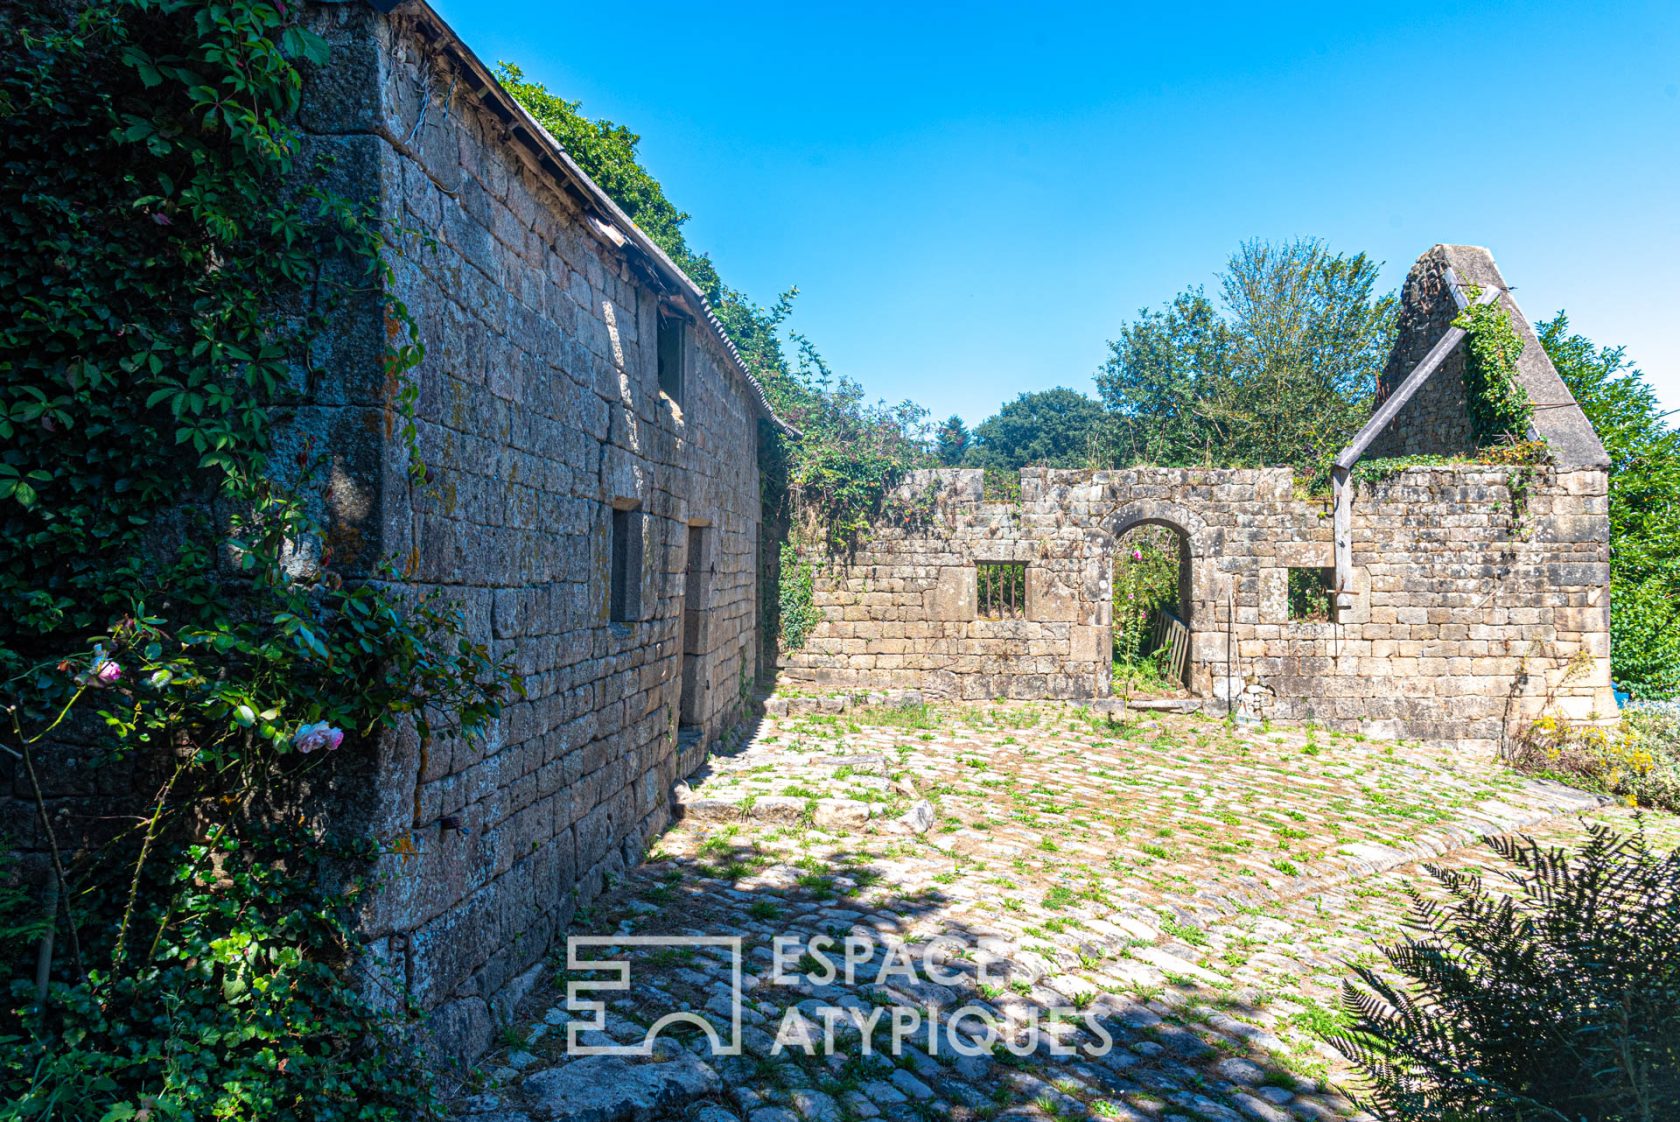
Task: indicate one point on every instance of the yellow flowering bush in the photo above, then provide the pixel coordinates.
(1636, 759)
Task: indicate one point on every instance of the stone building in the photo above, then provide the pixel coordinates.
(593, 501)
(1466, 595)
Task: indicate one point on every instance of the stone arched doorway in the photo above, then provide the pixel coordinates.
(1156, 554)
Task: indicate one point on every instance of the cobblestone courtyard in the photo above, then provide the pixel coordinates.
(1190, 891)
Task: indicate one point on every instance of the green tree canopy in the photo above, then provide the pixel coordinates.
(1282, 371)
(1644, 507)
(1054, 428)
(951, 441)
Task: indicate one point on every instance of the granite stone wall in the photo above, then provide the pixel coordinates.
(1478, 594)
(540, 415)
(1466, 612)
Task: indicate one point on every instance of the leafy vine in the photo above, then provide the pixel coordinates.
(170, 606)
(1496, 400)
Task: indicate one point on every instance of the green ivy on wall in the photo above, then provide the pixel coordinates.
(168, 602)
(797, 606)
(1496, 400)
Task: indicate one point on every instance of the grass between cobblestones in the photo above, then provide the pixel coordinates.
(1192, 889)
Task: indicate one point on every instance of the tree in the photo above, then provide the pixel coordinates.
(951, 441)
(1644, 507)
(1054, 428)
(1283, 371)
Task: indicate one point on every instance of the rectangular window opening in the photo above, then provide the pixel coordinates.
(1312, 595)
(625, 603)
(671, 331)
(1001, 589)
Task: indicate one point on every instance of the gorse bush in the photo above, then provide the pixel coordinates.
(1637, 760)
(1551, 994)
(170, 609)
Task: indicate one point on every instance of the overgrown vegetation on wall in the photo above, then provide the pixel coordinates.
(1496, 401)
(796, 600)
(167, 261)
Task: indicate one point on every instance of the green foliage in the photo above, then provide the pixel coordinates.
(951, 441)
(234, 1006)
(1057, 428)
(1555, 997)
(170, 261)
(1309, 595)
(796, 604)
(850, 456)
(1284, 375)
(1496, 401)
(22, 918)
(1000, 485)
(1644, 451)
(1146, 571)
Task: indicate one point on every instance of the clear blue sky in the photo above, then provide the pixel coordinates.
(973, 200)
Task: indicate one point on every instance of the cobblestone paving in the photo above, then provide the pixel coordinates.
(1154, 912)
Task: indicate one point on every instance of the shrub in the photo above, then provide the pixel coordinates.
(1638, 761)
(1555, 995)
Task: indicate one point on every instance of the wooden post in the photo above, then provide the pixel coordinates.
(1342, 530)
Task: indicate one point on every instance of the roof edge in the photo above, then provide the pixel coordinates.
(519, 120)
(1558, 417)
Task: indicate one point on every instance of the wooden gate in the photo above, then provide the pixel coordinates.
(1170, 642)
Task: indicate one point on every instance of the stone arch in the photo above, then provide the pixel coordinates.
(1195, 571)
(1192, 530)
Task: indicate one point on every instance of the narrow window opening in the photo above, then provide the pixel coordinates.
(625, 603)
(671, 332)
(1312, 595)
(1001, 589)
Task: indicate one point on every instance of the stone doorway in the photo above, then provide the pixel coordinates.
(691, 712)
(1151, 610)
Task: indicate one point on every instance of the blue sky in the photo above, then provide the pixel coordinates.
(973, 200)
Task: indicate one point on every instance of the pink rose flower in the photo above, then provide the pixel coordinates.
(1137, 555)
(318, 735)
(101, 671)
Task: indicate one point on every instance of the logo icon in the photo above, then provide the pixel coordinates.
(618, 981)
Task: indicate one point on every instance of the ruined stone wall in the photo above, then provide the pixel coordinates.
(1435, 421)
(539, 414)
(1465, 612)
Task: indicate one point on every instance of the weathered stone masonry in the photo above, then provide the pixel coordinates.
(1467, 604)
(540, 417)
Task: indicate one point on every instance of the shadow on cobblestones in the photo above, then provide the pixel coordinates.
(1003, 911)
